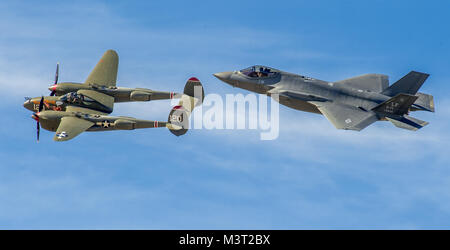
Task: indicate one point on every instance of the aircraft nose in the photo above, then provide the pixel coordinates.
(28, 105)
(223, 76)
(53, 87)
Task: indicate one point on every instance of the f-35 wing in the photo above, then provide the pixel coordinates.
(69, 127)
(105, 72)
(296, 95)
(346, 117)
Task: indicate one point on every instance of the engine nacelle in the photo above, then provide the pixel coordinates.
(140, 96)
(124, 124)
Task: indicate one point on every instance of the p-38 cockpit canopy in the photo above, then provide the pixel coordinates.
(76, 98)
(259, 71)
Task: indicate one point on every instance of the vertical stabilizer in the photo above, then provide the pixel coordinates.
(105, 72)
(397, 105)
(409, 84)
(192, 97)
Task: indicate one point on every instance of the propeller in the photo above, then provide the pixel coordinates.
(36, 117)
(38, 128)
(56, 80)
(41, 104)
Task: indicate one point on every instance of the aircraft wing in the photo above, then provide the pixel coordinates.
(69, 127)
(296, 95)
(346, 117)
(84, 110)
(105, 100)
(105, 72)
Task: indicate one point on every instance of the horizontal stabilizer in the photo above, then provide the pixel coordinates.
(407, 122)
(409, 84)
(397, 105)
(425, 102)
(371, 82)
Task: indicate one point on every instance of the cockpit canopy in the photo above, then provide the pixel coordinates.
(259, 71)
(75, 98)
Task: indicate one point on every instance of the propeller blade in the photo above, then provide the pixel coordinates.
(38, 128)
(56, 74)
(41, 104)
(56, 79)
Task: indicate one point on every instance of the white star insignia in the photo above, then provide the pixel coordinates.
(105, 124)
(62, 135)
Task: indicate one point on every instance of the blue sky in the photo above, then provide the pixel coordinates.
(312, 176)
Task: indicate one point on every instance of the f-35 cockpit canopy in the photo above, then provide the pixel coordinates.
(259, 71)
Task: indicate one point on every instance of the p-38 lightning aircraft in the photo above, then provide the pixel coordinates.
(102, 80)
(85, 107)
(351, 104)
(85, 114)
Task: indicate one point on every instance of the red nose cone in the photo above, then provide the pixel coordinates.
(193, 79)
(53, 87)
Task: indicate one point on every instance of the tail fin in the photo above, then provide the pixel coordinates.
(407, 122)
(194, 88)
(409, 84)
(105, 72)
(192, 97)
(425, 102)
(396, 106)
(178, 123)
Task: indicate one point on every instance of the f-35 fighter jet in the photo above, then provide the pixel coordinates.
(351, 104)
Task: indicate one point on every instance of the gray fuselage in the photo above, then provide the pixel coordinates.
(296, 91)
